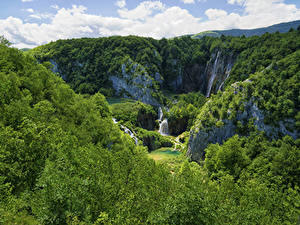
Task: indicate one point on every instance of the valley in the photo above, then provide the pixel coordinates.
(135, 130)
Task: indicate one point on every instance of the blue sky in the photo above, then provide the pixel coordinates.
(28, 23)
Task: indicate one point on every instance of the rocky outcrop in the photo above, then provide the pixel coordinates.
(134, 82)
(200, 139)
(201, 136)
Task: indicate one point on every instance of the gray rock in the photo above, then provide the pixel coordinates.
(136, 84)
(201, 138)
(199, 141)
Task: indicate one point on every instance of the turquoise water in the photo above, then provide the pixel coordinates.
(168, 152)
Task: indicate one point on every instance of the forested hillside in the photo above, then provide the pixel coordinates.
(281, 27)
(232, 109)
(140, 68)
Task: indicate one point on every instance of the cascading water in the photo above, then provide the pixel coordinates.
(163, 127)
(213, 75)
(163, 124)
(160, 114)
(227, 73)
(127, 131)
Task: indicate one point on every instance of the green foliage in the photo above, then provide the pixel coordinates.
(135, 114)
(257, 53)
(4, 41)
(63, 161)
(255, 157)
(153, 140)
(87, 63)
(47, 133)
(230, 158)
(273, 91)
(183, 113)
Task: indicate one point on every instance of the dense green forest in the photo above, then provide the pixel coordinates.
(115, 65)
(63, 159)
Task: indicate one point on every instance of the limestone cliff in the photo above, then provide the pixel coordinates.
(134, 82)
(235, 111)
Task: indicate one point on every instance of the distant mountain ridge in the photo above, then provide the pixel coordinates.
(281, 27)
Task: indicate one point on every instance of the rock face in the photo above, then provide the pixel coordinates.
(199, 139)
(202, 136)
(206, 79)
(135, 83)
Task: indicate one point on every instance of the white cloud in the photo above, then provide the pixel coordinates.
(27, 0)
(188, 1)
(142, 11)
(232, 2)
(214, 14)
(120, 3)
(258, 13)
(41, 16)
(29, 10)
(149, 18)
(192, 1)
(55, 7)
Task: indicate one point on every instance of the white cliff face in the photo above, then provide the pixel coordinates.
(227, 73)
(136, 84)
(200, 139)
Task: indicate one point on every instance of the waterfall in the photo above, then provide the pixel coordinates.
(227, 73)
(163, 127)
(213, 75)
(163, 124)
(127, 131)
(160, 114)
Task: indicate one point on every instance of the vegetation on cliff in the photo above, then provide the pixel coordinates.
(64, 161)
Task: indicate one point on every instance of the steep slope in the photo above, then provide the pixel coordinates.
(143, 68)
(136, 67)
(267, 101)
(61, 156)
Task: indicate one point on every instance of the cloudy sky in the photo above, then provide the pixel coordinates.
(28, 23)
